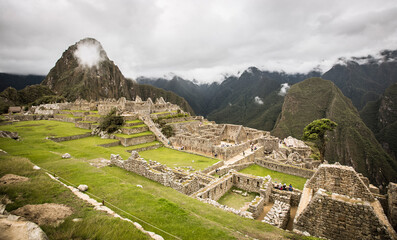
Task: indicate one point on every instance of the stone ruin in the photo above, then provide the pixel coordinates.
(221, 140)
(106, 105)
(180, 180)
(337, 204)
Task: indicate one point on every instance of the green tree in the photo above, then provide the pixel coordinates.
(111, 122)
(168, 131)
(315, 131)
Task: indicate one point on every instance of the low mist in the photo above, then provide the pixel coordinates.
(284, 89)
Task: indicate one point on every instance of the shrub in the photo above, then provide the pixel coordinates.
(168, 131)
(111, 122)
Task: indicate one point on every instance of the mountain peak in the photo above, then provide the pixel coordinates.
(89, 52)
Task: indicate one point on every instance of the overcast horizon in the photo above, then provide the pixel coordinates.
(201, 40)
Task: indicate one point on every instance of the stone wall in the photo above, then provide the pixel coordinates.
(339, 217)
(130, 131)
(247, 182)
(68, 138)
(136, 140)
(158, 173)
(392, 204)
(256, 206)
(216, 189)
(146, 148)
(236, 167)
(269, 144)
(112, 144)
(279, 214)
(340, 179)
(266, 189)
(84, 125)
(292, 170)
(30, 117)
(294, 196)
(227, 152)
(213, 167)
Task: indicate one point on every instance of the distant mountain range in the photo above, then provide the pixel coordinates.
(251, 99)
(18, 81)
(238, 99)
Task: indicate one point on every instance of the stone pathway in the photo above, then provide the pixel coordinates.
(152, 127)
(237, 158)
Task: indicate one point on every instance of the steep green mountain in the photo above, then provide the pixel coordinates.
(18, 81)
(381, 117)
(364, 79)
(85, 71)
(352, 143)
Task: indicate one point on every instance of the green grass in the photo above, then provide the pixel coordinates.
(173, 158)
(76, 111)
(87, 121)
(46, 128)
(40, 189)
(134, 121)
(134, 135)
(135, 126)
(162, 206)
(120, 148)
(182, 122)
(163, 112)
(235, 200)
(297, 182)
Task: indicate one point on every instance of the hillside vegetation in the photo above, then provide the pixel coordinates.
(351, 143)
(381, 117)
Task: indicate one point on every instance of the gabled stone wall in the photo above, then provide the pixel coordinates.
(339, 217)
(340, 179)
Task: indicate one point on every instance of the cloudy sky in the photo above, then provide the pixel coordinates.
(200, 40)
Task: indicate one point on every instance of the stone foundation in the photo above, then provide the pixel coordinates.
(157, 172)
(279, 214)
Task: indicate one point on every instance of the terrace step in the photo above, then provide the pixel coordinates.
(131, 123)
(145, 147)
(67, 118)
(134, 129)
(135, 139)
(84, 124)
(92, 117)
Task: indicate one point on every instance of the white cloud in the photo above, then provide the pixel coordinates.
(88, 54)
(197, 40)
(258, 100)
(284, 89)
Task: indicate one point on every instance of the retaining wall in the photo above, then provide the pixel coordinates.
(68, 138)
(288, 169)
(126, 142)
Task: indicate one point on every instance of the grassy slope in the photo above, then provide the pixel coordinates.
(352, 143)
(173, 158)
(162, 206)
(40, 189)
(236, 200)
(297, 182)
